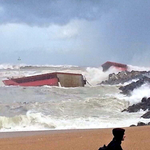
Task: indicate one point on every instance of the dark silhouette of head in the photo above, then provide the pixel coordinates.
(118, 133)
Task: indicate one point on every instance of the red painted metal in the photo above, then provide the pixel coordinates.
(119, 66)
(39, 80)
(36, 80)
(51, 82)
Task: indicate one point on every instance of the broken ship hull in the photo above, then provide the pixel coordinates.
(51, 79)
(118, 66)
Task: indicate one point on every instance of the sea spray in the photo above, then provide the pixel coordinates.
(52, 108)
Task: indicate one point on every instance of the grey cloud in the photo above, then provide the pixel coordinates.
(46, 12)
(115, 30)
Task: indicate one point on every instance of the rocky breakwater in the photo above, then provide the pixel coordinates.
(143, 105)
(126, 90)
(136, 79)
(141, 78)
(124, 76)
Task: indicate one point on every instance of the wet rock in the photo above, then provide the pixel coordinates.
(141, 78)
(148, 123)
(141, 124)
(132, 125)
(126, 90)
(124, 76)
(144, 99)
(144, 105)
(146, 115)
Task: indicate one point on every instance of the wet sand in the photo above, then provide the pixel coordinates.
(137, 138)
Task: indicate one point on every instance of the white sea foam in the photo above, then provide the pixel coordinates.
(42, 108)
(138, 68)
(96, 75)
(21, 65)
(38, 121)
(139, 93)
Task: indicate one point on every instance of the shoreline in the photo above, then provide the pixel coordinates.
(137, 138)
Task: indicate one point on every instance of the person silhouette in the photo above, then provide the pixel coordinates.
(119, 136)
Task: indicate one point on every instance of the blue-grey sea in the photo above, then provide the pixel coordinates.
(57, 108)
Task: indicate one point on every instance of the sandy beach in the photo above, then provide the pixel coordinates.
(137, 138)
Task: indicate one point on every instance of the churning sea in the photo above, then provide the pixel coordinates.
(57, 108)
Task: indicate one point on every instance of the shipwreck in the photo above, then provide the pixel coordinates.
(50, 79)
(118, 66)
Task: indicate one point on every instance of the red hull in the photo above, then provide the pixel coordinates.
(119, 66)
(51, 79)
(51, 82)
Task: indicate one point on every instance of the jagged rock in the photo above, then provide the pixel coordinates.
(144, 99)
(124, 76)
(148, 123)
(146, 115)
(133, 108)
(144, 105)
(141, 76)
(130, 87)
(132, 125)
(141, 124)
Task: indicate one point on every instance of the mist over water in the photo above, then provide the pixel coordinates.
(87, 32)
(51, 108)
(83, 33)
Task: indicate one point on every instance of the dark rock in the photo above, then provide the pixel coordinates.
(134, 108)
(141, 124)
(130, 87)
(124, 110)
(144, 105)
(142, 77)
(146, 115)
(144, 99)
(125, 76)
(132, 125)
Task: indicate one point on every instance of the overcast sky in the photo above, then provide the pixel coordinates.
(75, 32)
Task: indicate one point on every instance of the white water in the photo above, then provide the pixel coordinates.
(50, 108)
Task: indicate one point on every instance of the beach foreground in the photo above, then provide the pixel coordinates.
(137, 138)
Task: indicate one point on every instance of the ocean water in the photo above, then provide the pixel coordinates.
(57, 108)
